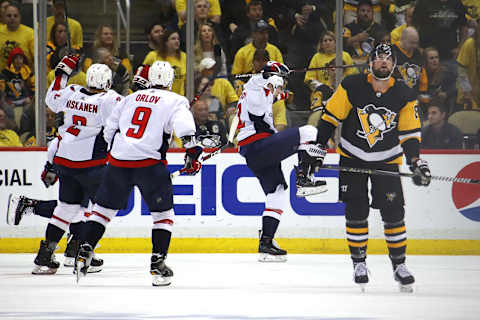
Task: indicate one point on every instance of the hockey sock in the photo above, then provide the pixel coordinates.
(53, 233)
(161, 241)
(357, 239)
(77, 230)
(93, 232)
(269, 226)
(396, 238)
(45, 208)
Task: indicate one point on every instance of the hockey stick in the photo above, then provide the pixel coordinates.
(67, 27)
(231, 137)
(397, 174)
(246, 75)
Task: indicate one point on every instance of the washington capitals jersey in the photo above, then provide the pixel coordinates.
(255, 111)
(81, 142)
(374, 125)
(141, 126)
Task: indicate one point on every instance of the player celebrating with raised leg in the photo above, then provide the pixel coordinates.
(81, 151)
(264, 149)
(139, 132)
(380, 123)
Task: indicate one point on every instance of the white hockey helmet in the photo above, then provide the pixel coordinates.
(99, 76)
(275, 81)
(162, 74)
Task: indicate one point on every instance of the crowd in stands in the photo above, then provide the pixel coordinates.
(436, 42)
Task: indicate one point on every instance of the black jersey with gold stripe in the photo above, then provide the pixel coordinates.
(410, 69)
(375, 126)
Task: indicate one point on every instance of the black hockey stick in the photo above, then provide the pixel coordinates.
(397, 174)
(67, 27)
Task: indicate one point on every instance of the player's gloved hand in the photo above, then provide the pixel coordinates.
(67, 65)
(422, 173)
(49, 176)
(192, 165)
(140, 79)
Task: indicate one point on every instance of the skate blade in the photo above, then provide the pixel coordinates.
(69, 262)
(80, 264)
(94, 269)
(408, 288)
(303, 192)
(159, 281)
(41, 270)
(265, 257)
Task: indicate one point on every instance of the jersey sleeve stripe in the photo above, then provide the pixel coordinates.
(330, 119)
(414, 135)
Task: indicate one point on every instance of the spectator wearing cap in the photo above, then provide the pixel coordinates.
(17, 84)
(58, 15)
(439, 134)
(242, 63)
(222, 89)
(208, 46)
(14, 34)
(243, 34)
(359, 36)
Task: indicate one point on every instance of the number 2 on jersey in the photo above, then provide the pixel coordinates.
(77, 121)
(140, 119)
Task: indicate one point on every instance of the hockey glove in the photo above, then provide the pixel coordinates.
(192, 165)
(140, 79)
(422, 175)
(49, 176)
(67, 65)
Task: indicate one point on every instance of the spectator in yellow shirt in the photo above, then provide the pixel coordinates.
(8, 138)
(214, 11)
(469, 72)
(169, 50)
(397, 32)
(75, 28)
(14, 34)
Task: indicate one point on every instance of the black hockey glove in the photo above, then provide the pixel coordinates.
(192, 165)
(422, 173)
(49, 176)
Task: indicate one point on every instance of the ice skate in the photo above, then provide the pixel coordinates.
(161, 273)
(83, 260)
(17, 207)
(71, 251)
(404, 278)
(307, 185)
(45, 262)
(360, 274)
(269, 251)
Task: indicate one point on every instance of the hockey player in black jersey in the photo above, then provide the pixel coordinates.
(380, 124)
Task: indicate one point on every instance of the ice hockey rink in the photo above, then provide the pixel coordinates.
(236, 286)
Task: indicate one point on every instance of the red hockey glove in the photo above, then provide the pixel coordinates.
(192, 165)
(140, 79)
(67, 65)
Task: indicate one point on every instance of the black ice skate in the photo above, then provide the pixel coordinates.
(307, 185)
(83, 260)
(404, 278)
(71, 251)
(360, 274)
(45, 262)
(18, 206)
(161, 273)
(269, 251)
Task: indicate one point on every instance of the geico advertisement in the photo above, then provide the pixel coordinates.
(226, 200)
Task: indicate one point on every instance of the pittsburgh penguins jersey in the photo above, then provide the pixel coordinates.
(211, 134)
(375, 126)
(255, 111)
(410, 69)
(141, 126)
(81, 142)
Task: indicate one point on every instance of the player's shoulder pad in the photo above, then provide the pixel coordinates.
(354, 81)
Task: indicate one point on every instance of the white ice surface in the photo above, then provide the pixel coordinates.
(236, 286)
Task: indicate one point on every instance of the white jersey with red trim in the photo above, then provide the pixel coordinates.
(81, 142)
(141, 126)
(255, 101)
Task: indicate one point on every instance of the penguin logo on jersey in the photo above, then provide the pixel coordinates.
(410, 73)
(375, 121)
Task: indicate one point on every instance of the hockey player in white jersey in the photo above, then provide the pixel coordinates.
(81, 151)
(264, 149)
(139, 132)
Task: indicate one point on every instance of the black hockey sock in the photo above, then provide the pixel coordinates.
(77, 230)
(269, 226)
(161, 241)
(93, 232)
(53, 233)
(45, 208)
